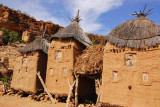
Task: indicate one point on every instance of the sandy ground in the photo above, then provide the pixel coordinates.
(15, 101)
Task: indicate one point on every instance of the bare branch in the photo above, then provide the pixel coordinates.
(135, 12)
(140, 12)
(148, 13)
(143, 13)
(149, 10)
(70, 19)
(144, 8)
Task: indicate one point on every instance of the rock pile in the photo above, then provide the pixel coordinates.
(8, 55)
(96, 39)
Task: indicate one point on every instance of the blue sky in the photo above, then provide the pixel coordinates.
(98, 16)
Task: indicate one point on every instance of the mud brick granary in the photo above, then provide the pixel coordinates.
(33, 58)
(131, 64)
(66, 46)
(88, 68)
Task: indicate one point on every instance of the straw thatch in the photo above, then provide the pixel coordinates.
(137, 33)
(40, 44)
(91, 61)
(73, 31)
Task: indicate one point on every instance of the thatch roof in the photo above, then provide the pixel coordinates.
(91, 61)
(40, 44)
(73, 31)
(136, 33)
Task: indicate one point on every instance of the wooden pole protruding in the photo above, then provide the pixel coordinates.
(99, 93)
(43, 36)
(76, 91)
(45, 88)
(70, 92)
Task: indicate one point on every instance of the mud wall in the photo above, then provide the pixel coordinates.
(60, 64)
(133, 86)
(24, 77)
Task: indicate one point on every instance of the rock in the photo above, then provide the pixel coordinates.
(81, 105)
(1, 33)
(27, 36)
(1, 87)
(46, 97)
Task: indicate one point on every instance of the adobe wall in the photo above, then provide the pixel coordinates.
(60, 71)
(129, 89)
(24, 77)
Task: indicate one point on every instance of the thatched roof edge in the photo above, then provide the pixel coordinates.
(40, 44)
(137, 44)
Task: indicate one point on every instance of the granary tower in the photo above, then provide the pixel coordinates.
(131, 64)
(33, 58)
(66, 46)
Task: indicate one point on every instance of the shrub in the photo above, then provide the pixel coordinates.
(11, 37)
(36, 37)
(22, 41)
(94, 43)
(6, 80)
(49, 22)
(5, 33)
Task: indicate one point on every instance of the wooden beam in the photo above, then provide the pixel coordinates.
(99, 93)
(70, 92)
(45, 88)
(76, 91)
(43, 36)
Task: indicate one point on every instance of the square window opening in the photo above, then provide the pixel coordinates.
(24, 61)
(115, 75)
(130, 59)
(58, 55)
(145, 77)
(64, 71)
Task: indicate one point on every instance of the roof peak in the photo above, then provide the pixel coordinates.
(143, 13)
(77, 18)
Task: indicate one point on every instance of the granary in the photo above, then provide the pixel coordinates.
(66, 46)
(33, 58)
(131, 64)
(88, 68)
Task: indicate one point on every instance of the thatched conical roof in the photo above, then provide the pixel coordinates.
(40, 44)
(136, 33)
(73, 31)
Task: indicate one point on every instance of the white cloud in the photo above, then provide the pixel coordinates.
(90, 10)
(35, 9)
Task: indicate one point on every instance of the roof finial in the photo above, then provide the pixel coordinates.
(43, 35)
(143, 13)
(77, 18)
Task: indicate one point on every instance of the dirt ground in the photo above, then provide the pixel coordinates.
(15, 101)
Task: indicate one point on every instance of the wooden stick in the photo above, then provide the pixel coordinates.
(42, 82)
(70, 92)
(144, 8)
(99, 94)
(43, 36)
(76, 91)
